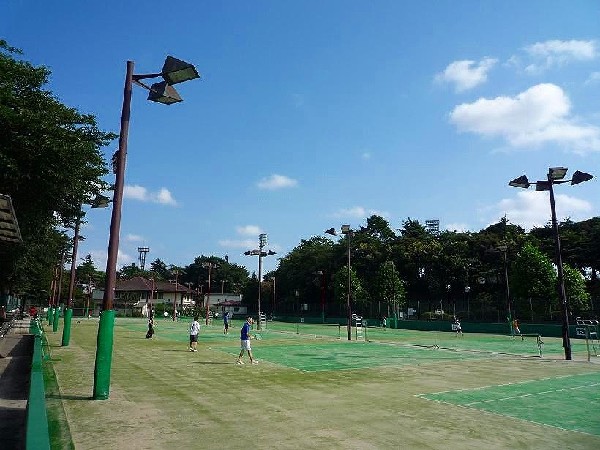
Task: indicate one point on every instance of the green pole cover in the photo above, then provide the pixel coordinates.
(50, 315)
(55, 320)
(104, 347)
(66, 337)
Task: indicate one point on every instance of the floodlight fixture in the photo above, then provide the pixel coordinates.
(163, 93)
(521, 182)
(557, 173)
(177, 71)
(331, 231)
(580, 177)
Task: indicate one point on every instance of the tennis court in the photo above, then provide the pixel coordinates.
(570, 402)
(393, 389)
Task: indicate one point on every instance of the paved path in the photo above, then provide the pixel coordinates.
(16, 349)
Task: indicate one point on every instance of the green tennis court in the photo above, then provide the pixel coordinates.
(569, 402)
(393, 389)
(350, 355)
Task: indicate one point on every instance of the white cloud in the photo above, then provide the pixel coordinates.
(100, 256)
(134, 238)
(245, 243)
(136, 192)
(164, 196)
(276, 182)
(466, 74)
(558, 53)
(366, 155)
(459, 227)
(249, 230)
(534, 117)
(532, 208)
(358, 212)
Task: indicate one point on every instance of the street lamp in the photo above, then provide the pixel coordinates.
(348, 232)
(504, 248)
(99, 201)
(556, 175)
(262, 242)
(321, 274)
(208, 265)
(173, 71)
(176, 272)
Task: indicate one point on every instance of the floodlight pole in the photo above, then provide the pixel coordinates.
(107, 315)
(562, 295)
(348, 232)
(556, 176)
(66, 336)
(349, 296)
(210, 266)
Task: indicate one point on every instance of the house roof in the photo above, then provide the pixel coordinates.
(143, 284)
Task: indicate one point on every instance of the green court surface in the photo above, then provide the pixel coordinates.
(569, 402)
(393, 388)
(351, 355)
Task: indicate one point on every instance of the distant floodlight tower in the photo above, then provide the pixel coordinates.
(143, 251)
(433, 226)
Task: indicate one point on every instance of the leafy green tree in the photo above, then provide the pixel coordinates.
(159, 270)
(50, 164)
(577, 295)
(533, 283)
(130, 271)
(298, 272)
(358, 296)
(390, 289)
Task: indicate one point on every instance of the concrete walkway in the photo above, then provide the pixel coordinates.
(16, 349)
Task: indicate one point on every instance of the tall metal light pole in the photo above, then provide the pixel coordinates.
(262, 242)
(321, 274)
(504, 249)
(348, 232)
(556, 175)
(99, 202)
(173, 71)
(175, 299)
(208, 265)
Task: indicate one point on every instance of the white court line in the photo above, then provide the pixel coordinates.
(537, 393)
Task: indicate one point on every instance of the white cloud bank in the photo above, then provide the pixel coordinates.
(249, 230)
(554, 53)
(358, 212)
(136, 192)
(537, 116)
(532, 209)
(466, 74)
(275, 182)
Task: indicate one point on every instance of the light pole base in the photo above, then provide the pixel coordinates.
(104, 347)
(66, 337)
(55, 320)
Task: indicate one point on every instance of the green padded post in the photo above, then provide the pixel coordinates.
(104, 347)
(66, 337)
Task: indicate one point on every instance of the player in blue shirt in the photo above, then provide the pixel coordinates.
(245, 341)
(226, 322)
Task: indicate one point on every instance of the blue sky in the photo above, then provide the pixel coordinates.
(313, 114)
